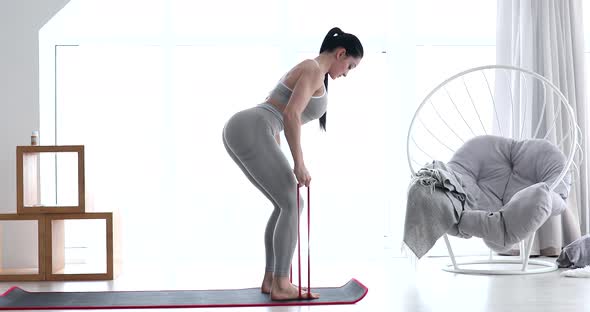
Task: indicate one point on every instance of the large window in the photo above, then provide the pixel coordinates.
(147, 86)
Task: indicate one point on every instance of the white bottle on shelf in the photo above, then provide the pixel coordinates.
(35, 137)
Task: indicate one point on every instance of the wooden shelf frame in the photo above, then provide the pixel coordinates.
(19, 274)
(57, 233)
(20, 187)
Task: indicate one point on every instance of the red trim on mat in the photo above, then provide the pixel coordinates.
(277, 303)
(362, 286)
(10, 289)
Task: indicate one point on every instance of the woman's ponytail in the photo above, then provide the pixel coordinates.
(337, 38)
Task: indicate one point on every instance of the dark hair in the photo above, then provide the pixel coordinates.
(336, 38)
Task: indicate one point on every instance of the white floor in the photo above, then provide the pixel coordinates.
(394, 285)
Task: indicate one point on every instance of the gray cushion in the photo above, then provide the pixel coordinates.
(494, 168)
(524, 214)
(508, 182)
(526, 211)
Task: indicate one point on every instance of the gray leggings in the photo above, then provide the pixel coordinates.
(249, 138)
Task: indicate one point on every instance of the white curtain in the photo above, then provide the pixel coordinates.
(546, 37)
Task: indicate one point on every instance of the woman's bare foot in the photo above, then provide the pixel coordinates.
(267, 284)
(282, 289)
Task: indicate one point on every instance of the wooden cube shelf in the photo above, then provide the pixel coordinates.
(25, 274)
(27, 179)
(55, 248)
(53, 221)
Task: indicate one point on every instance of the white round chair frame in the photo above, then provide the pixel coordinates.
(570, 151)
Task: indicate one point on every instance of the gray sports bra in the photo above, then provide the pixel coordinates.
(316, 107)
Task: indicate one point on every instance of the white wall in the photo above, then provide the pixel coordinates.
(20, 21)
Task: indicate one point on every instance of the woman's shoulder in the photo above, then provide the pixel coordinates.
(309, 65)
(307, 69)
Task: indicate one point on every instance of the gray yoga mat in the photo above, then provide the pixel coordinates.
(19, 299)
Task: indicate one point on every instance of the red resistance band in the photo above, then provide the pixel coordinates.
(299, 244)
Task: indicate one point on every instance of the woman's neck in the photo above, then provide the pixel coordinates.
(325, 61)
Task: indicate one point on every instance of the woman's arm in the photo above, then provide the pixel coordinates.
(307, 83)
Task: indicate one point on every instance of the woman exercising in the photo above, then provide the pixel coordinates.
(251, 138)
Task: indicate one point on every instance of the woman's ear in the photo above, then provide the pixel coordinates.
(340, 53)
